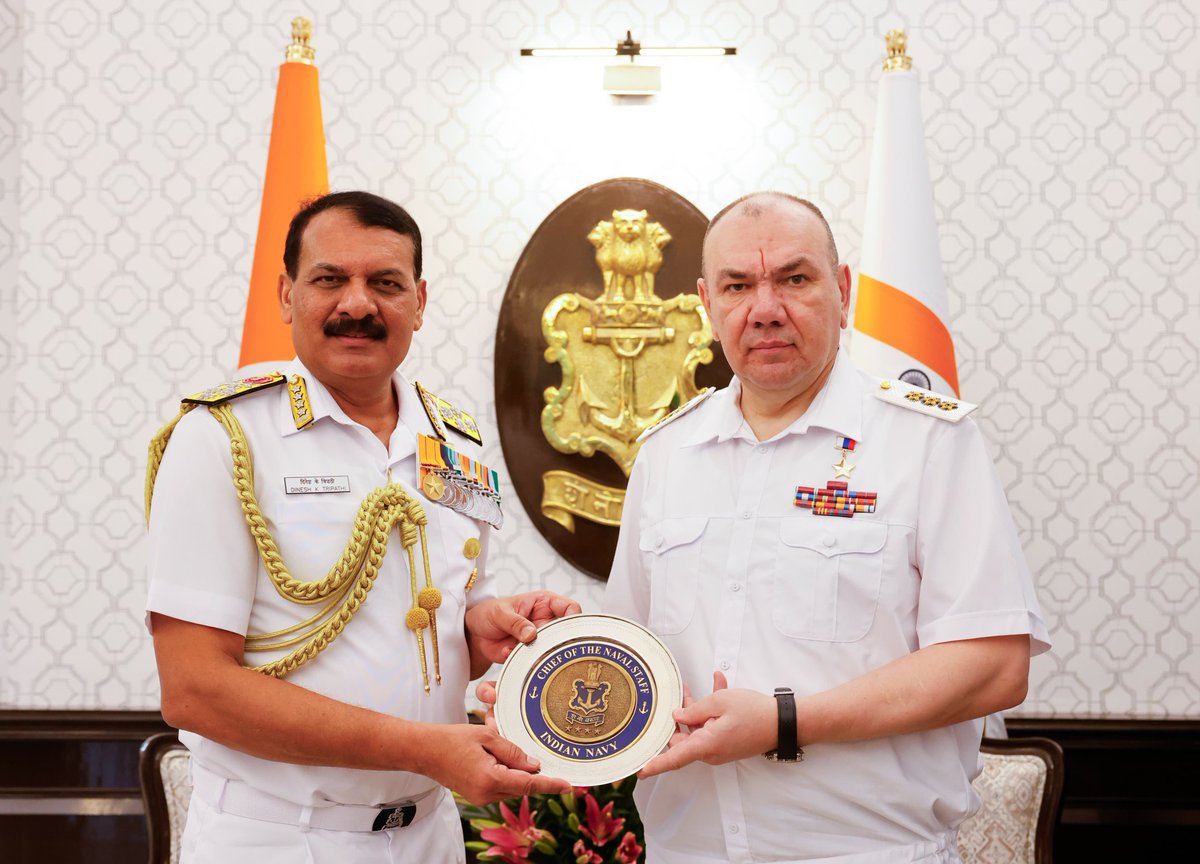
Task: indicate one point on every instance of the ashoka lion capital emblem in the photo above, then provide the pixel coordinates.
(628, 358)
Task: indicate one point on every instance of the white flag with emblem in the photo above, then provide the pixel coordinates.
(901, 312)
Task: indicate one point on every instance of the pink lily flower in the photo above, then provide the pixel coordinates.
(629, 851)
(601, 827)
(513, 841)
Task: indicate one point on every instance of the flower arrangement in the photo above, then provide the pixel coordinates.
(596, 825)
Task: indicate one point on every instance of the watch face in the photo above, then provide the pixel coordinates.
(590, 698)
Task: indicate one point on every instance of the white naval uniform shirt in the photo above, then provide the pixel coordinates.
(716, 559)
(205, 568)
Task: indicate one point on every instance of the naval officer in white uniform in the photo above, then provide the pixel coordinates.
(838, 577)
(346, 749)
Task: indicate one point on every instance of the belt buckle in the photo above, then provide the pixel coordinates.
(395, 817)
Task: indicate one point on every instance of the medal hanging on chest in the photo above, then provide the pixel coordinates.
(459, 482)
(837, 498)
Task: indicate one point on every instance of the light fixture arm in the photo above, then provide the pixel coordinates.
(629, 47)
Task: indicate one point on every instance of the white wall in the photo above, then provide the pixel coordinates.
(1063, 150)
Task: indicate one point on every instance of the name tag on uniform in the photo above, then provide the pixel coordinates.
(307, 485)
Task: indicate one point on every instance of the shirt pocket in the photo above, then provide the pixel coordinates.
(673, 547)
(827, 578)
(311, 531)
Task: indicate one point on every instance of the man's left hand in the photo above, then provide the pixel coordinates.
(723, 727)
(495, 626)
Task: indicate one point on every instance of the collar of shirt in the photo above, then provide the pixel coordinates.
(410, 420)
(838, 407)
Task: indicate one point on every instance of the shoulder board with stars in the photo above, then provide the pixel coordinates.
(234, 389)
(442, 414)
(692, 403)
(924, 401)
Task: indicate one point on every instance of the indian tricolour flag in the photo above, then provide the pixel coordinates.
(901, 313)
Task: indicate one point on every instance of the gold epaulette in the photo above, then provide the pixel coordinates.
(676, 414)
(233, 389)
(924, 401)
(442, 414)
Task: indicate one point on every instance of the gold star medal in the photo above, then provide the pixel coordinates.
(844, 468)
(433, 486)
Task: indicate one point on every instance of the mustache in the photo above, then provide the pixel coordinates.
(346, 326)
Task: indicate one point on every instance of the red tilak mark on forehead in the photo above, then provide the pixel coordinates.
(763, 257)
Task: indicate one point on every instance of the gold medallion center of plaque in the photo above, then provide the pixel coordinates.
(589, 700)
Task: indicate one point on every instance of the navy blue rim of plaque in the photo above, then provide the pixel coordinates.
(602, 748)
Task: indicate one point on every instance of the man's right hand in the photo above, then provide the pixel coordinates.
(481, 766)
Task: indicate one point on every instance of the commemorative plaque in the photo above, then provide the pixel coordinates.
(591, 698)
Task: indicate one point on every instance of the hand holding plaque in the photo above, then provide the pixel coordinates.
(591, 698)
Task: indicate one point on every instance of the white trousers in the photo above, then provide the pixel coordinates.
(213, 837)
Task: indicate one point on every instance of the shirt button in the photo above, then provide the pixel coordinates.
(828, 540)
(658, 541)
(735, 587)
(724, 664)
(733, 829)
(746, 514)
(762, 449)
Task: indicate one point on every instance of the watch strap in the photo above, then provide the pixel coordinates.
(785, 701)
(787, 748)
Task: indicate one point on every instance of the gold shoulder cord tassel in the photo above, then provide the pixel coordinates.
(426, 600)
(344, 588)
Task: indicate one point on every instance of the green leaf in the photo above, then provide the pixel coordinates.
(478, 845)
(544, 847)
(568, 800)
(555, 807)
(480, 824)
(573, 822)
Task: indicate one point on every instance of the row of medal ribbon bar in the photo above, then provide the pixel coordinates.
(459, 482)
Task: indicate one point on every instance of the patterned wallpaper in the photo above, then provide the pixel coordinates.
(1062, 139)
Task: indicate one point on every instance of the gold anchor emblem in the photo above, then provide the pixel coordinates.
(590, 699)
(628, 358)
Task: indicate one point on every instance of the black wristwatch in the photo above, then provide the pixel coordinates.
(786, 750)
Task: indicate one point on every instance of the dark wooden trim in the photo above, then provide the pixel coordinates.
(1129, 790)
(1106, 725)
(81, 725)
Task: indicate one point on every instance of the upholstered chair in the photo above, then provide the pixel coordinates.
(1021, 788)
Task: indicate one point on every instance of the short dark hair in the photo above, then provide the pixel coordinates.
(753, 208)
(371, 211)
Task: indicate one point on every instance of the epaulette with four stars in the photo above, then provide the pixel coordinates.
(924, 401)
(233, 389)
(691, 404)
(442, 414)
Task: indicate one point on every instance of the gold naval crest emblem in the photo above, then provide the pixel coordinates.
(628, 359)
(589, 700)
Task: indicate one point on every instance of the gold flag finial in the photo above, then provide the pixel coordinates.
(897, 43)
(300, 51)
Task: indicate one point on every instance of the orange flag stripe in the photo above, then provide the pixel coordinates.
(898, 319)
(296, 172)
